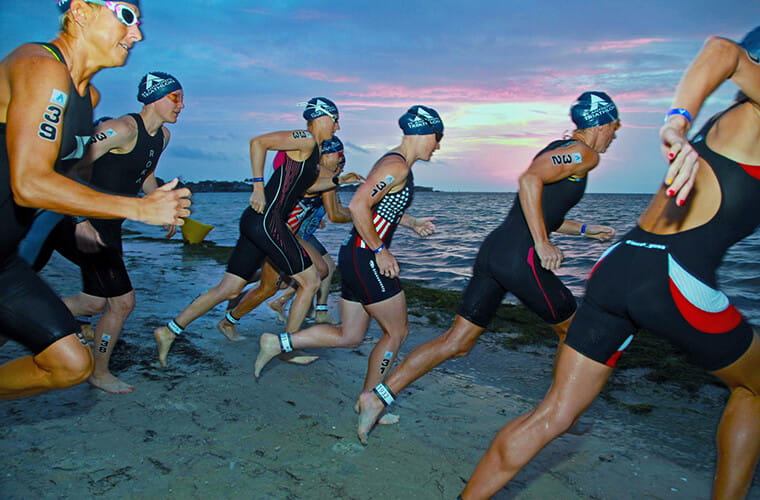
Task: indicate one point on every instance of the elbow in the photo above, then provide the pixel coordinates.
(26, 194)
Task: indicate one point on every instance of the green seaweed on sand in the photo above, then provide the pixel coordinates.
(664, 363)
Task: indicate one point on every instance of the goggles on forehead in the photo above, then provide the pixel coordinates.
(320, 107)
(124, 13)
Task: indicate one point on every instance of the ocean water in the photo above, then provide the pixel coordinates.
(444, 260)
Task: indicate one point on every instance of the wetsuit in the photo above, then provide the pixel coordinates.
(666, 283)
(361, 280)
(507, 260)
(30, 312)
(268, 234)
(103, 272)
(304, 220)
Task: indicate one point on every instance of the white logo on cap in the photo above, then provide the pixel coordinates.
(596, 101)
(152, 80)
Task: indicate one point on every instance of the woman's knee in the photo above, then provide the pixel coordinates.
(68, 361)
(308, 280)
(459, 340)
(122, 305)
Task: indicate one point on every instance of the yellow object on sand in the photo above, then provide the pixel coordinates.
(194, 231)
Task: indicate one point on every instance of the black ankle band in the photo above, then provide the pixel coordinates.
(384, 394)
(285, 344)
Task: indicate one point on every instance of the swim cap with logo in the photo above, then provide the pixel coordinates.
(421, 120)
(155, 85)
(320, 106)
(751, 43)
(64, 5)
(593, 109)
(333, 145)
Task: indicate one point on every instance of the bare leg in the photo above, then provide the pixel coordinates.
(308, 283)
(324, 292)
(456, 342)
(350, 334)
(739, 429)
(278, 304)
(577, 382)
(106, 335)
(227, 289)
(65, 363)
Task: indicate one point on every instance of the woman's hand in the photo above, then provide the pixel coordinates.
(350, 178)
(87, 237)
(684, 161)
(423, 226)
(549, 255)
(258, 200)
(601, 233)
(386, 264)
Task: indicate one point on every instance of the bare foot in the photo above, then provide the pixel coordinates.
(229, 331)
(109, 383)
(279, 307)
(164, 338)
(269, 347)
(385, 419)
(324, 317)
(370, 409)
(298, 357)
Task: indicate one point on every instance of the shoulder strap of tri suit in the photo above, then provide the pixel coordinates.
(54, 50)
(395, 153)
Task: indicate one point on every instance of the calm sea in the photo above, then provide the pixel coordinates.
(444, 260)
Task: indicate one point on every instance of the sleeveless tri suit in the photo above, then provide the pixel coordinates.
(507, 260)
(666, 283)
(30, 312)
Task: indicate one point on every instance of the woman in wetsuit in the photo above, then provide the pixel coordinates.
(264, 231)
(46, 103)
(370, 285)
(661, 277)
(517, 257)
(303, 220)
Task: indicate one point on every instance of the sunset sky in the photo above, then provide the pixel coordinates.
(502, 74)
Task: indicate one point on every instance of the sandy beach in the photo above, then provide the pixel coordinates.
(205, 428)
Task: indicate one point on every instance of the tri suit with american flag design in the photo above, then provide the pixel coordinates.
(361, 278)
(666, 284)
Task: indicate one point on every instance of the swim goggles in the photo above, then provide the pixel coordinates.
(320, 107)
(124, 13)
(438, 134)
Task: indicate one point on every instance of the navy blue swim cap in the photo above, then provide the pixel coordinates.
(751, 43)
(333, 145)
(155, 85)
(421, 120)
(64, 5)
(320, 106)
(593, 109)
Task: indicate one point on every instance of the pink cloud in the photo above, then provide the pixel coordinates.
(620, 45)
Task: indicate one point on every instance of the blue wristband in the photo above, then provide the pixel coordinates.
(583, 230)
(258, 179)
(379, 249)
(679, 111)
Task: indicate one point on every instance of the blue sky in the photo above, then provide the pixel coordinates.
(501, 73)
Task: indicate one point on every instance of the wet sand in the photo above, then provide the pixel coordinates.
(204, 428)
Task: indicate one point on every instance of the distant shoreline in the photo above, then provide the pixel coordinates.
(209, 186)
